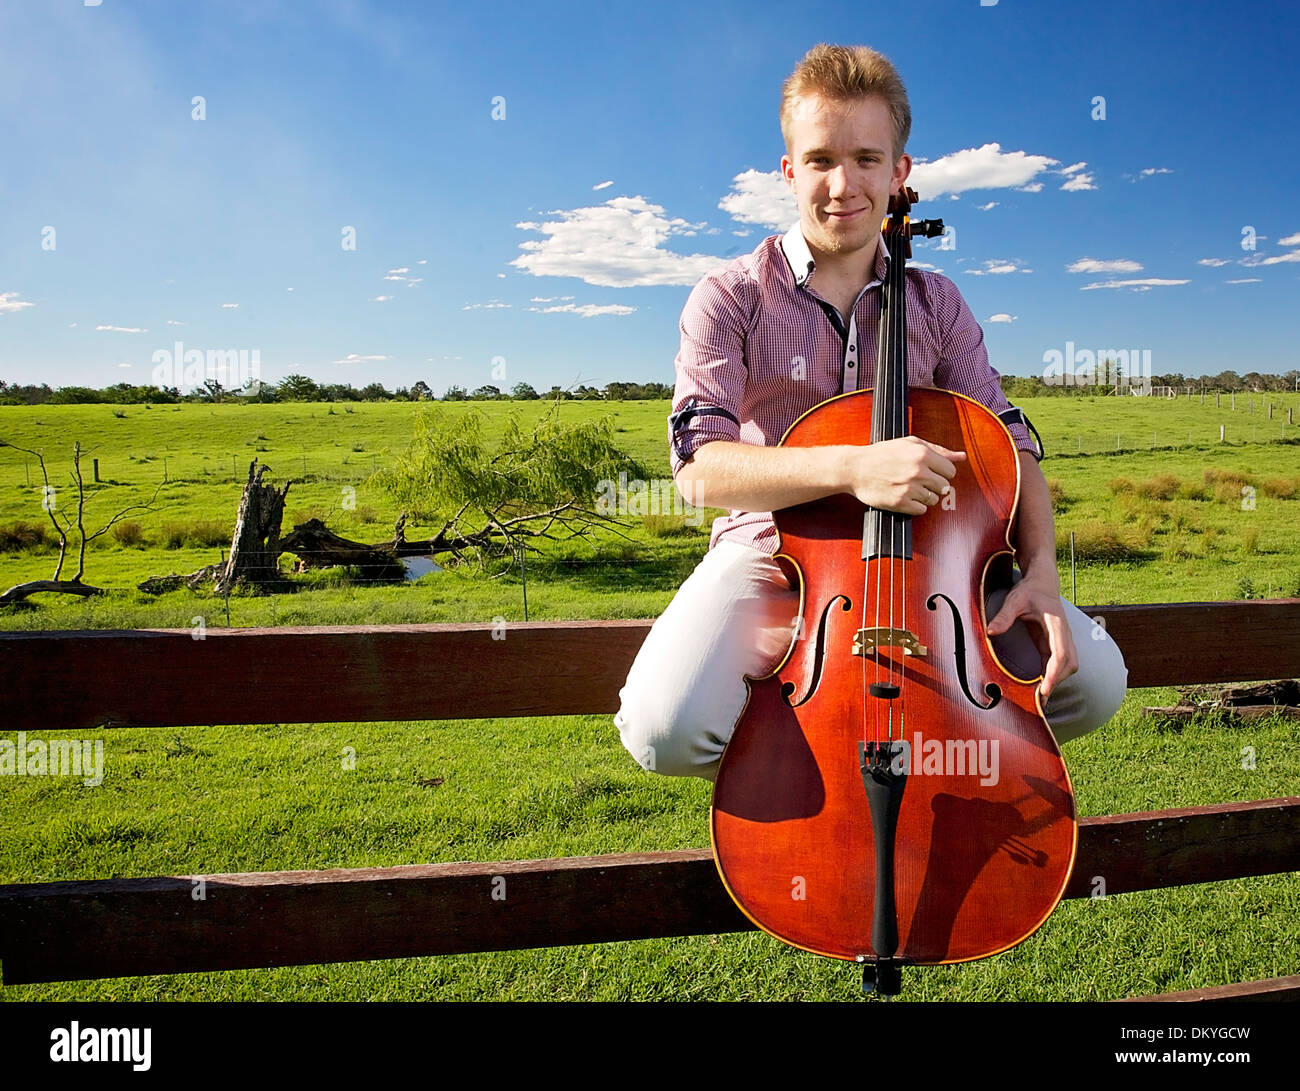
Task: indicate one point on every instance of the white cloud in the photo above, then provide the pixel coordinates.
(1135, 285)
(985, 208)
(493, 305)
(615, 245)
(985, 167)
(1213, 262)
(1072, 168)
(761, 197)
(603, 185)
(1036, 187)
(353, 358)
(1246, 280)
(414, 281)
(1078, 183)
(122, 329)
(1290, 240)
(997, 268)
(1276, 259)
(1003, 317)
(1092, 265)
(124, 365)
(173, 322)
(585, 310)
(391, 276)
(403, 269)
(422, 261)
(1147, 172)
(230, 305)
(381, 299)
(9, 302)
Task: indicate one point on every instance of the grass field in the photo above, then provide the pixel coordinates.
(1164, 523)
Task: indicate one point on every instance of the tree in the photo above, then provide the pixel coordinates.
(297, 388)
(74, 586)
(421, 391)
(523, 392)
(541, 484)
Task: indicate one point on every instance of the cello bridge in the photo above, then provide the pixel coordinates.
(866, 641)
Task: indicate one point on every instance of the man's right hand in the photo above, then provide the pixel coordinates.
(908, 475)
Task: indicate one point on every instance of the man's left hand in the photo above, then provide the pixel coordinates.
(1039, 606)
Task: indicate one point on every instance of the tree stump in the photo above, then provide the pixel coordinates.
(255, 547)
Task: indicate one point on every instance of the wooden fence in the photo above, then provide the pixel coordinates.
(87, 680)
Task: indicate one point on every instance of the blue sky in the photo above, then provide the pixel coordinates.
(639, 147)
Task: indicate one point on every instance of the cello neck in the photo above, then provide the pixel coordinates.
(889, 407)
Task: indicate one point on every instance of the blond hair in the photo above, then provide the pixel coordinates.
(844, 73)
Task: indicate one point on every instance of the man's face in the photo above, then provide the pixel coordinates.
(842, 172)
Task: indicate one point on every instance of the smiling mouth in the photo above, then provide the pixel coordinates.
(845, 215)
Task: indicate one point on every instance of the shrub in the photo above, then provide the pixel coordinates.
(200, 534)
(1160, 487)
(1279, 488)
(1095, 540)
(128, 534)
(22, 536)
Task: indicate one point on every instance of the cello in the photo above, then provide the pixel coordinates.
(892, 795)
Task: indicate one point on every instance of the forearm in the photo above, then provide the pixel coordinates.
(746, 477)
(1035, 534)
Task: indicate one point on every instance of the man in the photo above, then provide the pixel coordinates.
(772, 334)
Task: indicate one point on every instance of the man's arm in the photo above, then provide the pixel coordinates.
(907, 475)
(1036, 599)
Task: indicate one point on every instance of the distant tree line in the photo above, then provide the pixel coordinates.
(1227, 382)
(299, 388)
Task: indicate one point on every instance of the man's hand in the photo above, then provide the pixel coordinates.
(1038, 604)
(908, 475)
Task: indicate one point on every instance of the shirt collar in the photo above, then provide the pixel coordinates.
(797, 255)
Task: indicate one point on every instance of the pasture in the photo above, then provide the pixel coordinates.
(1161, 510)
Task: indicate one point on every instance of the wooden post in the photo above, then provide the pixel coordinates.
(1217, 396)
(96, 463)
(1220, 433)
(1270, 410)
(1234, 401)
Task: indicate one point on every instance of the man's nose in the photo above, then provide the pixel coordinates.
(840, 182)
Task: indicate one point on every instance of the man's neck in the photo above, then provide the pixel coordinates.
(856, 269)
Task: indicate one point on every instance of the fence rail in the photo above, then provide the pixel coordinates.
(162, 677)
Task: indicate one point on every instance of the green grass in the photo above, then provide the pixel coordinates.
(276, 797)
(216, 800)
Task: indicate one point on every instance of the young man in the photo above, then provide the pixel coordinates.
(773, 334)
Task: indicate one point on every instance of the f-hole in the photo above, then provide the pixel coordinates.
(992, 689)
(818, 653)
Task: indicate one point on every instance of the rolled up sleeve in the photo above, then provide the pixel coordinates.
(710, 365)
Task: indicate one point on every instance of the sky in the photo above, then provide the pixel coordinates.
(501, 193)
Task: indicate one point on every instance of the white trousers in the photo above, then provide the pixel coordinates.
(734, 616)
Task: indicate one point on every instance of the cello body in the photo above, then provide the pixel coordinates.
(969, 846)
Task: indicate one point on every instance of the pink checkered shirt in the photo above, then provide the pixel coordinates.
(746, 325)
